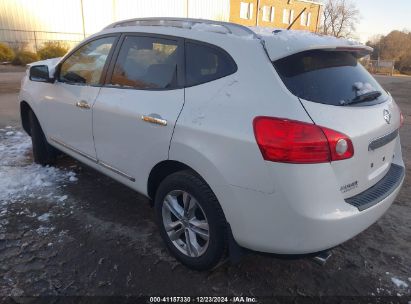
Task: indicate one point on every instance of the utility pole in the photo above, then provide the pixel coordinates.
(82, 18)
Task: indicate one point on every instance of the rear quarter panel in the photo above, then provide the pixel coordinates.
(214, 133)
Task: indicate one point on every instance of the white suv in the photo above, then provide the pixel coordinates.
(276, 141)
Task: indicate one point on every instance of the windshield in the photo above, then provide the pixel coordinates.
(329, 77)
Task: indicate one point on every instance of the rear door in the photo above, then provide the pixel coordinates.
(136, 110)
(330, 85)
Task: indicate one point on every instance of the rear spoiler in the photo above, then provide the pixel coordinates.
(280, 44)
(359, 50)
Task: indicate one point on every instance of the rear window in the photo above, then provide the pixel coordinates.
(327, 77)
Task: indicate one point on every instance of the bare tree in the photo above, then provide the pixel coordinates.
(339, 18)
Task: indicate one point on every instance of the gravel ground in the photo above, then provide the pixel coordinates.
(69, 230)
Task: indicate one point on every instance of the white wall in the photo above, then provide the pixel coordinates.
(65, 16)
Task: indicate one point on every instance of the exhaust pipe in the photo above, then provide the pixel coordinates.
(322, 257)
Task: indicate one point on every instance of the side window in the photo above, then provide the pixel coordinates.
(86, 64)
(146, 63)
(206, 63)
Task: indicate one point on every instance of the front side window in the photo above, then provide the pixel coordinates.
(146, 63)
(85, 65)
(206, 63)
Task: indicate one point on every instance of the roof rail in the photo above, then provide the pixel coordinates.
(188, 23)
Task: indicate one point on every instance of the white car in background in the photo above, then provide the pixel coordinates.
(278, 142)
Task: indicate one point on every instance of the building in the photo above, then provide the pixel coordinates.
(32, 22)
(299, 14)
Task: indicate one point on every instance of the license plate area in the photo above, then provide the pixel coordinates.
(380, 160)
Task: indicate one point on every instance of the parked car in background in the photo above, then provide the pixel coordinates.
(278, 142)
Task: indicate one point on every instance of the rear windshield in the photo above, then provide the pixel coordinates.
(328, 77)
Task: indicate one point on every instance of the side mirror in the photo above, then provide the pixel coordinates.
(40, 73)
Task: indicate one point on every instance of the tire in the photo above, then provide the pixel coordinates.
(201, 254)
(43, 153)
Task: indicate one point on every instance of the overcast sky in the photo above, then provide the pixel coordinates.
(382, 16)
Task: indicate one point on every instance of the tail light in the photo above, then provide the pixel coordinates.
(290, 141)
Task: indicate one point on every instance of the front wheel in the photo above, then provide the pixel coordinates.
(191, 221)
(43, 152)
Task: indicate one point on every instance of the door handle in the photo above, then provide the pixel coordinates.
(155, 120)
(83, 104)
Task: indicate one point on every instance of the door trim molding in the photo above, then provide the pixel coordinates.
(119, 172)
(94, 160)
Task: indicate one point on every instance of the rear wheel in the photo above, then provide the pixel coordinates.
(43, 153)
(191, 221)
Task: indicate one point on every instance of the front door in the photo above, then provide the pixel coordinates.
(70, 99)
(135, 112)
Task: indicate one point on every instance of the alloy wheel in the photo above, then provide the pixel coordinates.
(185, 223)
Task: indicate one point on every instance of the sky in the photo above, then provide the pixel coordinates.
(382, 16)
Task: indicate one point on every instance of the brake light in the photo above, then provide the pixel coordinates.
(290, 141)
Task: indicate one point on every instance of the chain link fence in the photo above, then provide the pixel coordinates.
(380, 66)
(33, 40)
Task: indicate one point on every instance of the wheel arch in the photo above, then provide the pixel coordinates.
(160, 171)
(25, 109)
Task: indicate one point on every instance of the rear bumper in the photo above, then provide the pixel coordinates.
(380, 190)
(303, 215)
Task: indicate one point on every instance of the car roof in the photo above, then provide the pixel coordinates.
(278, 43)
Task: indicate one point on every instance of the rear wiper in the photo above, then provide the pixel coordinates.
(363, 97)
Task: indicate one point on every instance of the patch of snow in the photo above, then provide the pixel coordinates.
(72, 176)
(73, 179)
(215, 28)
(399, 283)
(62, 198)
(43, 231)
(19, 177)
(44, 218)
(9, 133)
(363, 88)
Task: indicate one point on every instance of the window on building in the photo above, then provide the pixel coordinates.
(288, 16)
(305, 19)
(146, 63)
(268, 13)
(246, 10)
(85, 65)
(214, 63)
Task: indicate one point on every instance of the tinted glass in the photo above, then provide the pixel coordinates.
(205, 63)
(146, 63)
(85, 66)
(327, 77)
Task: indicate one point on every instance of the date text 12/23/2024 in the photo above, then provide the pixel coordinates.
(233, 299)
